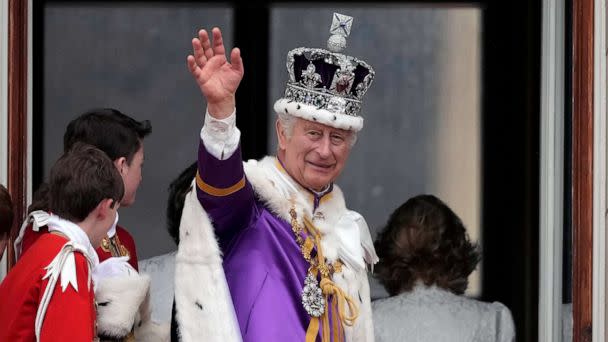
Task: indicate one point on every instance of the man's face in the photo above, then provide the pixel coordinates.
(131, 176)
(315, 154)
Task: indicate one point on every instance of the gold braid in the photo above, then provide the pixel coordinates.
(318, 266)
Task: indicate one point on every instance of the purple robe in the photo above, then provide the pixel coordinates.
(263, 263)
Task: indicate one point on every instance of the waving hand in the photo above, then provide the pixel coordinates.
(217, 78)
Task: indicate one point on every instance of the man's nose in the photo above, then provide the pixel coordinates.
(324, 147)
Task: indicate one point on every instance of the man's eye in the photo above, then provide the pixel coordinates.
(337, 139)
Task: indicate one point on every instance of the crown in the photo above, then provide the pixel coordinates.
(327, 86)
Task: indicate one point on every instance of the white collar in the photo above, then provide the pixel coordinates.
(40, 218)
(286, 185)
(112, 230)
(345, 232)
(290, 186)
(75, 234)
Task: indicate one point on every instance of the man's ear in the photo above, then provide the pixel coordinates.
(281, 135)
(121, 164)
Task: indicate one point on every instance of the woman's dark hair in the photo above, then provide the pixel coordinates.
(116, 134)
(178, 189)
(80, 179)
(6, 212)
(424, 240)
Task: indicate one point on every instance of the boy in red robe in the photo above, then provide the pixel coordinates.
(121, 291)
(49, 294)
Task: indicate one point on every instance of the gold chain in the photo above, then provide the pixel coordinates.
(306, 246)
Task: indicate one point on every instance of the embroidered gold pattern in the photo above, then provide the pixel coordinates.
(307, 246)
(333, 296)
(114, 246)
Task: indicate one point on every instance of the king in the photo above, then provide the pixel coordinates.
(295, 257)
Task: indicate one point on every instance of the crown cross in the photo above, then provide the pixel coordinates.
(341, 25)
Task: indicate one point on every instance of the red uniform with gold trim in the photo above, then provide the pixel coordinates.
(70, 315)
(121, 244)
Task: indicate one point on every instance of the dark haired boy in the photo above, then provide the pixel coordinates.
(121, 138)
(49, 294)
(121, 291)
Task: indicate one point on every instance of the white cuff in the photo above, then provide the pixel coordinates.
(220, 137)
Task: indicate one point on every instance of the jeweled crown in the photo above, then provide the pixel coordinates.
(329, 80)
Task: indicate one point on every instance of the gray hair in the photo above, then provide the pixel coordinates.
(288, 122)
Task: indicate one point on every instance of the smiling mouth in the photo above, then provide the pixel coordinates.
(321, 166)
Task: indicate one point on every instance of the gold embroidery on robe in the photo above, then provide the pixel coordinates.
(114, 246)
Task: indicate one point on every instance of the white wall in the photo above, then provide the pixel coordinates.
(551, 311)
(457, 175)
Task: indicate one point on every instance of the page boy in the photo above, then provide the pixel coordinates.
(49, 294)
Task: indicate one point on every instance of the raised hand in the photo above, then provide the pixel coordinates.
(217, 78)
